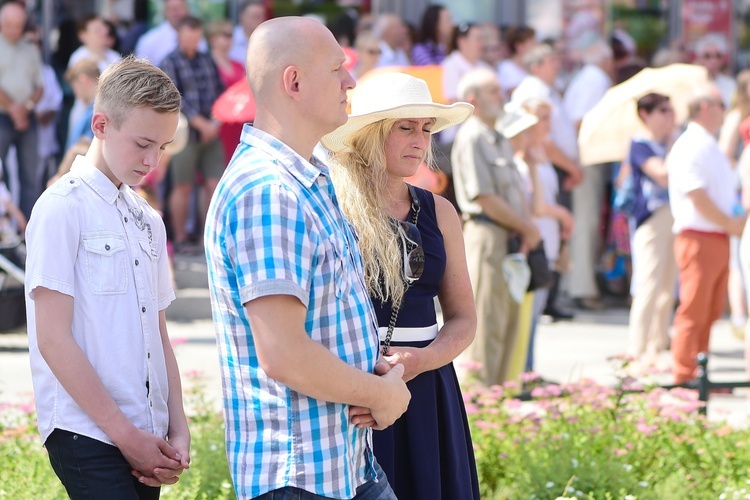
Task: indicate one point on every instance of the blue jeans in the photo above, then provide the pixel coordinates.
(374, 489)
(28, 159)
(91, 469)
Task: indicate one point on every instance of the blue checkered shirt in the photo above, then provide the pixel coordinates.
(274, 227)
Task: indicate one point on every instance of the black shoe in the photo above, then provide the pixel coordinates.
(557, 314)
(588, 304)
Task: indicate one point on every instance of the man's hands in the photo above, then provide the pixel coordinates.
(208, 130)
(19, 115)
(390, 408)
(530, 237)
(573, 178)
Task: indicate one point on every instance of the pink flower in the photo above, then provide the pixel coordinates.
(554, 390)
(484, 425)
(538, 392)
(529, 377)
(471, 366)
(512, 404)
(177, 341)
(620, 452)
(471, 409)
(646, 429)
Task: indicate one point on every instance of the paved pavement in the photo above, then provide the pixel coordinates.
(566, 351)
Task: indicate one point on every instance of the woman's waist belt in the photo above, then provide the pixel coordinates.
(404, 334)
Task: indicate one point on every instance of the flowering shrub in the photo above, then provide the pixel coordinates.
(25, 472)
(584, 440)
(578, 440)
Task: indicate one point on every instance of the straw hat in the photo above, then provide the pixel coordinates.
(394, 95)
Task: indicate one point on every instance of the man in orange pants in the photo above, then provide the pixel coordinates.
(702, 191)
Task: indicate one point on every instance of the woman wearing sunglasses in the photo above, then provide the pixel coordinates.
(413, 251)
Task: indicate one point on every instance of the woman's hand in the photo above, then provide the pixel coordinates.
(410, 357)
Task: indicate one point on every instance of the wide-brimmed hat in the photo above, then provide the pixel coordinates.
(394, 95)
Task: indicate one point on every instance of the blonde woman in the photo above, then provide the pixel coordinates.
(413, 251)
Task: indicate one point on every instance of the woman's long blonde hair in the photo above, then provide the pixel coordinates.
(359, 175)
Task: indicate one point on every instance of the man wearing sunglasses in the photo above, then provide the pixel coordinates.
(711, 52)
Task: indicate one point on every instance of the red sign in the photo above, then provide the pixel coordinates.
(700, 17)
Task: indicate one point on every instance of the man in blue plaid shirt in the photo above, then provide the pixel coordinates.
(298, 342)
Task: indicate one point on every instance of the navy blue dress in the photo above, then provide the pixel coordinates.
(427, 453)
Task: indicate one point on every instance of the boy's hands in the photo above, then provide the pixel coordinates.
(148, 454)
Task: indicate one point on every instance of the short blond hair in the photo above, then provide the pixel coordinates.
(135, 83)
(86, 67)
(217, 27)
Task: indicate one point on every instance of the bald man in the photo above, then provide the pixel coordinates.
(20, 90)
(297, 334)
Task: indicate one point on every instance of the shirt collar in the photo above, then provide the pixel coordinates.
(697, 128)
(96, 180)
(305, 171)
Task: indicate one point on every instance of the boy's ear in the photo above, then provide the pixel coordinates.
(99, 124)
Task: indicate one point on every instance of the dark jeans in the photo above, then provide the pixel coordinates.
(374, 489)
(91, 469)
(28, 159)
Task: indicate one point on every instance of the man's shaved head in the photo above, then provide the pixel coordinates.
(279, 43)
(296, 72)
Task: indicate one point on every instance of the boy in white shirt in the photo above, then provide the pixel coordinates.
(106, 384)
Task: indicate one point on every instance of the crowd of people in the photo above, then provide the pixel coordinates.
(324, 259)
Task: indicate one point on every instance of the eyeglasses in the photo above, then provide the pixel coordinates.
(413, 253)
(712, 55)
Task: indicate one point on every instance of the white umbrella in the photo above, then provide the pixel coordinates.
(607, 129)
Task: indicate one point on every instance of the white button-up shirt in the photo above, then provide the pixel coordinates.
(106, 248)
(696, 162)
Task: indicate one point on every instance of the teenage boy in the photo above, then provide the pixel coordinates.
(106, 384)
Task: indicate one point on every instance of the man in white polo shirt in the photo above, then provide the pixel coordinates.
(701, 196)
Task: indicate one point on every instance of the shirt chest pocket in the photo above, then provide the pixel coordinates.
(106, 264)
(335, 250)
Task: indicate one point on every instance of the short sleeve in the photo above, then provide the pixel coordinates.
(271, 244)
(475, 164)
(692, 173)
(639, 153)
(52, 239)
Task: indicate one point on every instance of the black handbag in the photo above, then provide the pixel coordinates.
(541, 275)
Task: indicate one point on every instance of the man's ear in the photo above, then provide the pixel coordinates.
(291, 81)
(99, 124)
